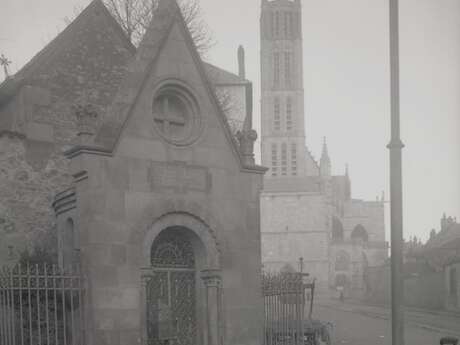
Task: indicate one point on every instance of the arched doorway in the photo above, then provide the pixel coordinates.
(182, 282)
(337, 230)
(341, 280)
(171, 290)
(342, 261)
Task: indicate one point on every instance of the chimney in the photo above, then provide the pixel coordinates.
(241, 63)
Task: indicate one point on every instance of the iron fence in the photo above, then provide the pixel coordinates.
(285, 297)
(41, 305)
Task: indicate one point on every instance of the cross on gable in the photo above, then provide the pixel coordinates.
(5, 63)
(169, 115)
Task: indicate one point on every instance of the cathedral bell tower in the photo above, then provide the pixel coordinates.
(282, 101)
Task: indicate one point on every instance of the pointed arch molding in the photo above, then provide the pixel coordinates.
(176, 213)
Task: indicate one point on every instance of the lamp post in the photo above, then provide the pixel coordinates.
(395, 146)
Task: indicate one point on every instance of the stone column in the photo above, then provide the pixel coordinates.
(213, 283)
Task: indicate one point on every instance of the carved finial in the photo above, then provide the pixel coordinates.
(247, 138)
(325, 161)
(444, 222)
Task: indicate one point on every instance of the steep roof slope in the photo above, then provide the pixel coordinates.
(166, 17)
(93, 28)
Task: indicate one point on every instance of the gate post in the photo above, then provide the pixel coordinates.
(212, 281)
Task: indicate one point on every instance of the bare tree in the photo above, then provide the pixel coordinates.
(134, 16)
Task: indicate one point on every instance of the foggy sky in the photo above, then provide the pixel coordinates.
(346, 74)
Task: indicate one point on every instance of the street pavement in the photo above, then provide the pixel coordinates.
(358, 324)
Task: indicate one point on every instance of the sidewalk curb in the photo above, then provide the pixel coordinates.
(387, 318)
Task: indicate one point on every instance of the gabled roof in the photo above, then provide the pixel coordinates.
(10, 86)
(140, 69)
(219, 76)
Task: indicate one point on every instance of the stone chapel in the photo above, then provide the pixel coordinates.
(156, 188)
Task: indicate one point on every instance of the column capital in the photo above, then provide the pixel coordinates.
(212, 277)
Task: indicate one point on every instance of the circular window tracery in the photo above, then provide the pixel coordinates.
(176, 114)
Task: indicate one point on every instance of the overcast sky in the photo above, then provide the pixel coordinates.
(346, 85)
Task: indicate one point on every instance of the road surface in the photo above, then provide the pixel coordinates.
(362, 325)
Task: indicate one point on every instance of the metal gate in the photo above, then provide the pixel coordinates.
(285, 297)
(170, 292)
(41, 305)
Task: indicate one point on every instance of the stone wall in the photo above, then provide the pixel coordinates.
(279, 249)
(424, 291)
(452, 297)
(27, 193)
(84, 64)
(369, 214)
(293, 212)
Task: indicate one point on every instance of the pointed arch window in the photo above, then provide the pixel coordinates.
(289, 114)
(288, 68)
(286, 24)
(359, 233)
(276, 69)
(283, 159)
(277, 114)
(272, 24)
(277, 24)
(337, 229)
(290, 25)
(274, 159)
(296, 25)
(294, 159)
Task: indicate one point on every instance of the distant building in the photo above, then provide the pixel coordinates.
(442, 253)
(306, 212)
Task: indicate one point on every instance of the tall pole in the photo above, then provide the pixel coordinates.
(396, 146)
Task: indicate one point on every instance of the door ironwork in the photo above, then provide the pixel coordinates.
(170, 292)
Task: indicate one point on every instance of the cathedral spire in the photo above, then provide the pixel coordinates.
(325, 161)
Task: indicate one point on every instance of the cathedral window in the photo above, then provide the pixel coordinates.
(294, 159)
(283, 159)
(277, 24)
(274, 160)
(286, 24)
(359, 233)
(287, 68)
(290, 25)
(272, 24)
(337, 229)
(277, 115)
(289, 114)
(276, 69)
(296, 25)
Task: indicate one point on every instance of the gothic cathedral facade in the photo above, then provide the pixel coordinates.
(309, 221)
